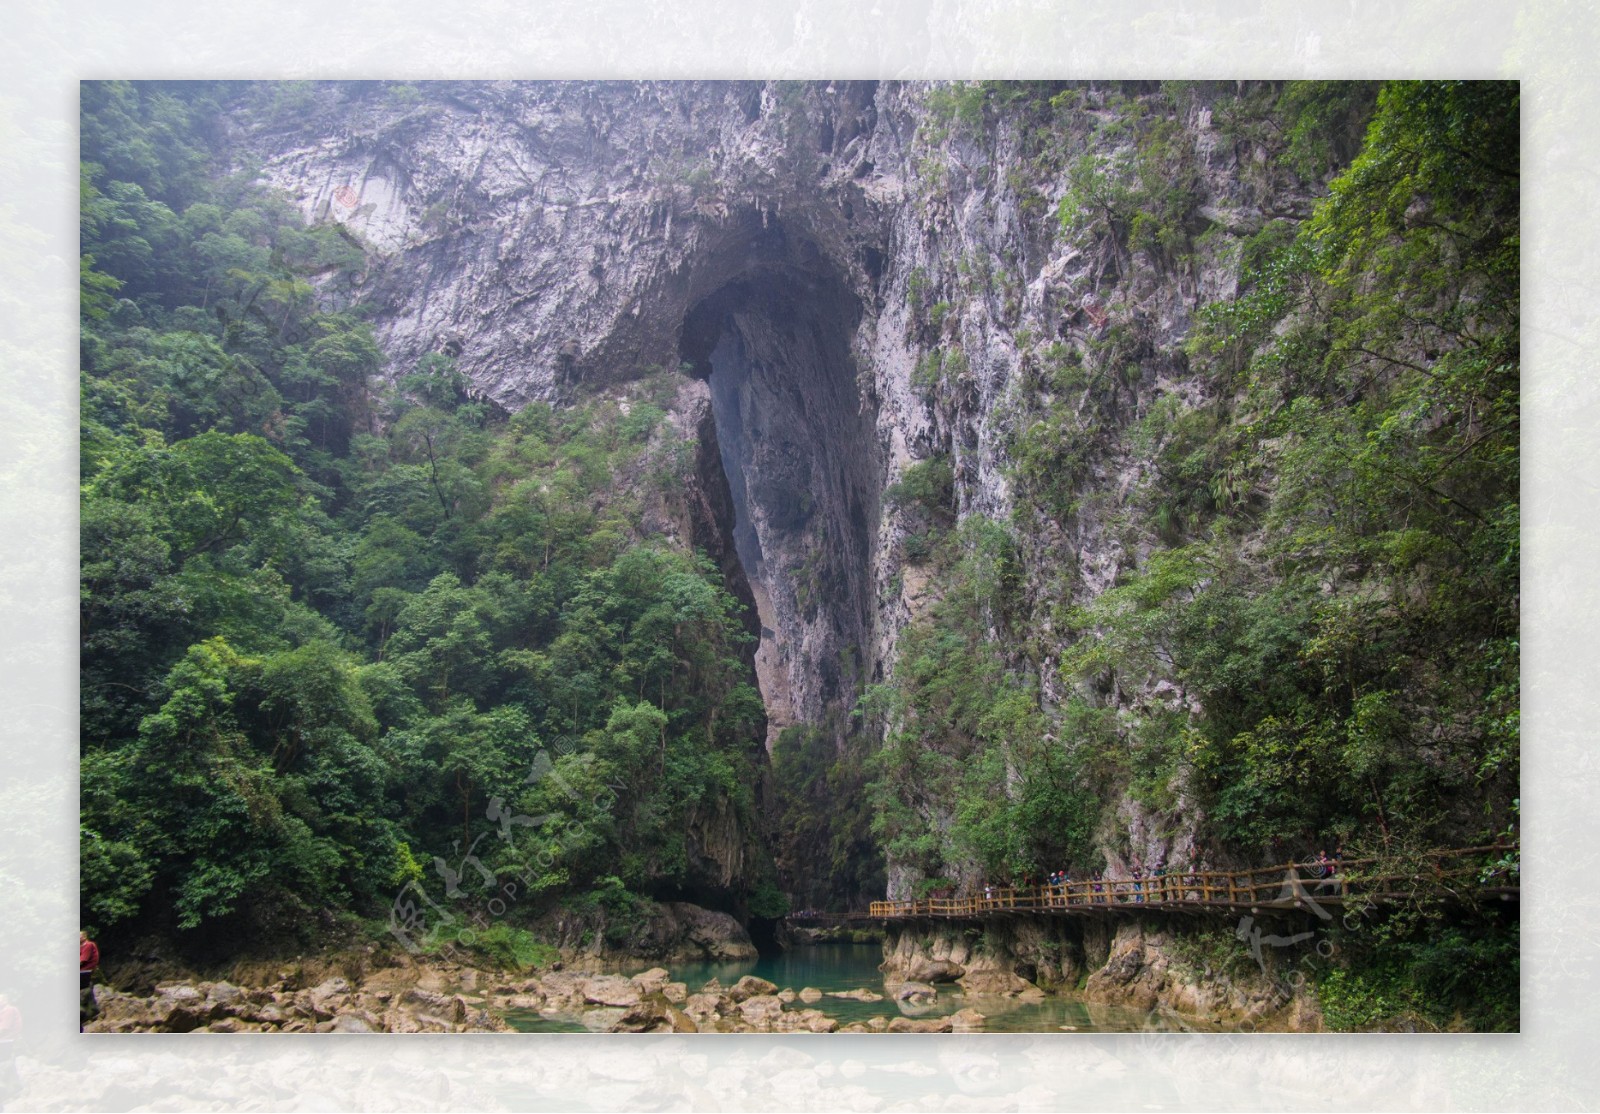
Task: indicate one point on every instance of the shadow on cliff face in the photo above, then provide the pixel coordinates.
(790, 463)
(798, 450)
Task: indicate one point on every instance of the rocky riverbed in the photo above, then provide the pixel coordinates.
(411, 997)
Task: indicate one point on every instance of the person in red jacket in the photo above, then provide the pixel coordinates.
(88, 960)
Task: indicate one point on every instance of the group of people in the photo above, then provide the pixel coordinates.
(1155, 883)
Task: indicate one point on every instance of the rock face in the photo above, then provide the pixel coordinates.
(801, 255)
(673, 932)
(394, 1001)
(1132, 963)
(560, 237)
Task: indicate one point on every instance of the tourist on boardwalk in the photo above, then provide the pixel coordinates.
(1096, 887)
(88, 962)
(1327, 870)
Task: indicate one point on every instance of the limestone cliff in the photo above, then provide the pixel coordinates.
(867, 275)
(1152, 965)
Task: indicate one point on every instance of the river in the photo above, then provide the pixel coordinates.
(845, 966)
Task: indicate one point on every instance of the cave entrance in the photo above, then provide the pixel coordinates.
(799, 452)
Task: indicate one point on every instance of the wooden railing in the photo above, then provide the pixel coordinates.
(1286, 886)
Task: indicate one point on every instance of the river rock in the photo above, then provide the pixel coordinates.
(612, 990)
(920, 1025)
(811, 994)
(761, 1011)
(703, 1005)
(564, 989)
(675, 992)
(750, 986)
(652, 980)
(915, 992)
(924, 969)
(966, 1020)
(805, 1021)
(351, 1023)
(323, 1001)
(713, 934)
(182, 1008)
(787, 996)
(225, 993)
(860, 994)
(648, 1015)
(603, 1019)
(998, 983)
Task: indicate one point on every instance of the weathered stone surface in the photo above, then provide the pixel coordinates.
(612, 990)
(645, 1016)
(967, 1020)
(750, 986)
(934, 970)
(761, 1011)
(815, 1021)
(652, 980)
(915, 992)
(703, 1005)
(354, 1023)
(998, 983)
(860, 994)
(810, 994)
(334, 1004)
(603, 1019)
(920, 1025)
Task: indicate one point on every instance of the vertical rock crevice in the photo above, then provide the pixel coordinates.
(803, 474)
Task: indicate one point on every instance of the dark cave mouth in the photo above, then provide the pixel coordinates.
(797, 453)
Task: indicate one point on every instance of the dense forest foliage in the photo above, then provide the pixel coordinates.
(333, 628)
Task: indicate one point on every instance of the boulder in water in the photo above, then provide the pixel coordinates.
(916, 992)
(860, 994)
(750, 987)
(922, 1025)
(966, 1021)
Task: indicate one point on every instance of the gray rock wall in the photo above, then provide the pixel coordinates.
(803, 246)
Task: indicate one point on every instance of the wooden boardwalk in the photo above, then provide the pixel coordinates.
(1288, 887)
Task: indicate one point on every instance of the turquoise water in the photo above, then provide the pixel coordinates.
(842, 966)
